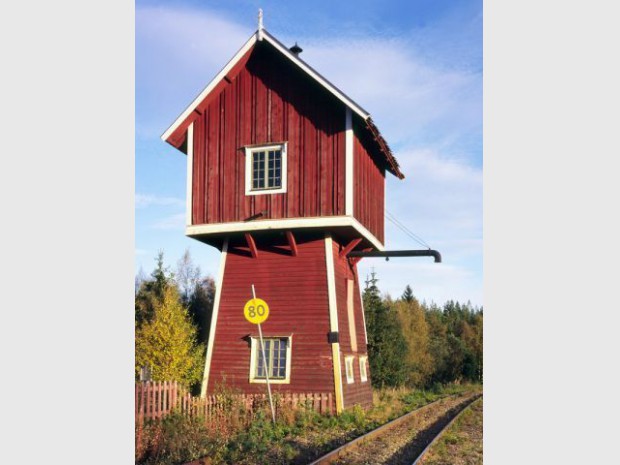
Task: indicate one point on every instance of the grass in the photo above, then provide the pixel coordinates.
(298, 437)
(461, 444)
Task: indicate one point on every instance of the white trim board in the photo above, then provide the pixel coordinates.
(291, 223)
(351, 315)
(359, 288)
(348, 151)
(333, 321)
(190, 175)
(216, 309)
(331, 283)
(260, 35)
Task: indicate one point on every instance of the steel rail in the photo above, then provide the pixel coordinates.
(337, 453)
(444, 429)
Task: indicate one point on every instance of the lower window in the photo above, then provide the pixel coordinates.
(348, 363)
(363, 372)
(277, 361)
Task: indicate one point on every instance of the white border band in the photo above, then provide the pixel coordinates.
(190, 175)
(290, 223)
(333, 321)
(216, 309)
(348, 150)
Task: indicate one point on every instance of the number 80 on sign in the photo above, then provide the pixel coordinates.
(256, 311)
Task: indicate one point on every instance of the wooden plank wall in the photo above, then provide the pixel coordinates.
(369, 191)
(296, 290)
(270, 100)
(357, 392)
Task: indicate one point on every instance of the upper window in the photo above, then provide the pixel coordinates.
(277, 357)
(265, 169)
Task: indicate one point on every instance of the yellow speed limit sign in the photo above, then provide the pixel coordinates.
(256, 311)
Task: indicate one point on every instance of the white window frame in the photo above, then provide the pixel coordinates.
(348, 363)
(249, 150)
(363, 369)
(255, 347)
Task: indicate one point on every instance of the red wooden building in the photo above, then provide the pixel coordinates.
(286, 176)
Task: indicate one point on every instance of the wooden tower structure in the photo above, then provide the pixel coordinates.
(286, 176)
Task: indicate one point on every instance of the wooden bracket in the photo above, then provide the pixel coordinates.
(252, 245)
(350, 246)
(291, 242)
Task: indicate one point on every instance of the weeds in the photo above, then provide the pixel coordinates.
(178, 439)
(299, 436)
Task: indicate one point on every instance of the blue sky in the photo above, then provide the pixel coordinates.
(415, 66)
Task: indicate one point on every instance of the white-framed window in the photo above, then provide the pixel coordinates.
(278, 357)
(348, 363)
(265, 169)
(363, 372)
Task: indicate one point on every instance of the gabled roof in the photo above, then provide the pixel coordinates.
(174, 133)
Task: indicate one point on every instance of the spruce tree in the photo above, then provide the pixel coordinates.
(387, 348)
(151, 291)
(407, 295)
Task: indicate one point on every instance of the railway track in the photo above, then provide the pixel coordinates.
(402, 441)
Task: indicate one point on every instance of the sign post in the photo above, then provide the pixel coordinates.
(256, 311)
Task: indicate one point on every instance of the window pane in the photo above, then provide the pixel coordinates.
(275, 160)
(258, 170)
(266, 169)
(275, 351)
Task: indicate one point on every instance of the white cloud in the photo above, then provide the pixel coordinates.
(148, 200)
(176, 221)
(178, 51)
(409, 97)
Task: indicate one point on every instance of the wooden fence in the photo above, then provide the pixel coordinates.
(155, 400)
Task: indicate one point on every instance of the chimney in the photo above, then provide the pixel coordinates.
(296, 49)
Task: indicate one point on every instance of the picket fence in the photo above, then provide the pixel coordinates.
(155, 400)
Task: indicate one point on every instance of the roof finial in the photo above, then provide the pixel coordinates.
(260, 24)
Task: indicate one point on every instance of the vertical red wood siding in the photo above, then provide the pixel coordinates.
(356, 392)
(268, 101)
(369, 190)
(296, 290)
